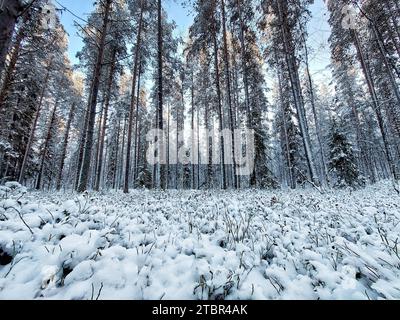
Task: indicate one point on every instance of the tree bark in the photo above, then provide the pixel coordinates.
(65, 145)
(160, 93)
(228, 89)
(377, 108)
(133, 100)
(84, 178)
(314, 110)
(105, 119)
(220, 112)
(137, 124)
(296, 91)
(46, 147)
(34, 125)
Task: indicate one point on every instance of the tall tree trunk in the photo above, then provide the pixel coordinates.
(160, 93)
(220, 112)
(192, 153)
(133, 100)
(84, 178)
(65, 145)
(383, 51)
(314, 110)
(209, 149)
(121, 171)
(228, 89)
(105, 119)
(96, 153)
(137, 125)
(292, 181)
(34, 125)
(81, 149)
(168, 141)
(249, 122)
(296, 91)
(198, 147)
(46, 147)
(377, 107)
(116, 160)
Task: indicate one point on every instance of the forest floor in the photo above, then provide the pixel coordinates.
(200, 245)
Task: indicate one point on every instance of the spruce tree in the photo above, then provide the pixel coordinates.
(342, 164)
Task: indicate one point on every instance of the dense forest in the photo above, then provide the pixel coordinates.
(86, 126)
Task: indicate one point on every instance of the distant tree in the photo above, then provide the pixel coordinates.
(342, 163)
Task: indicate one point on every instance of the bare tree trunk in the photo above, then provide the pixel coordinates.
(133, 100)
(115, 173)
(198, 147)
(383, 52)
(229, 93)
(249, 122)
(34, 125)
(377, 107)
(121, 171)
(292, 181)
(168, 141)
(46, 147)
(192, 153)
(81, 148)
(137, 125)
(84, 178)
(65, 145)
(96, 153)
(296, 91)
(220, 113)
(209, 144)
(316, 119)
(160, 92)
(105, 119)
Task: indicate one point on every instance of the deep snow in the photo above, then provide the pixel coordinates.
(200, 244)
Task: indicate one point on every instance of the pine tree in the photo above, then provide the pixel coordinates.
(342, 162)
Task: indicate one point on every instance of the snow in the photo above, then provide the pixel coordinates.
(200, 244)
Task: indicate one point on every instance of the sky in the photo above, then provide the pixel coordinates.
(318, 29)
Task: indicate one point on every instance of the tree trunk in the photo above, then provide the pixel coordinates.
(65, 145)
(105, 119)
(377, 107)
(84, 178)
(116, 160)
(46, 147)
(160, 93)
(220, 113)
(292, 181)
(81, 148)
(229, 93)
(296, 91)
(133, 100)
(192, 153)
(137, 125)
(34, 125)
(316, 119)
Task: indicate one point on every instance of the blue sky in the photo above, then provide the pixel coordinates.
(318, 29)
(82, 8)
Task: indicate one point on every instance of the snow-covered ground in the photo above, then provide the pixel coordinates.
(200, 245)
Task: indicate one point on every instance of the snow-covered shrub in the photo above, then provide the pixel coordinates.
(199, 245)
